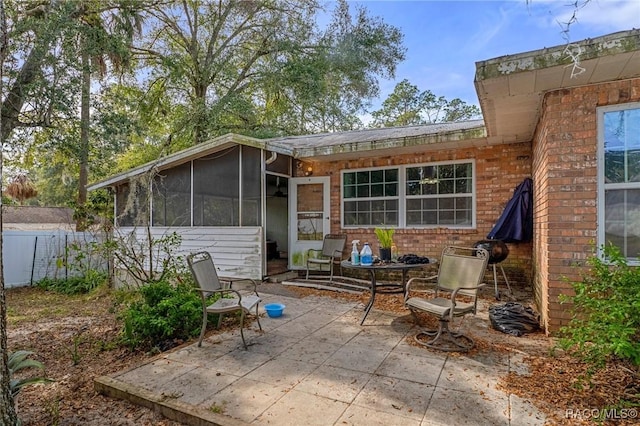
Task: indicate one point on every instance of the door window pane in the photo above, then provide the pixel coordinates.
(310, 204)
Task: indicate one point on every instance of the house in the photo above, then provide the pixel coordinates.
(35, 218)
(574, 128)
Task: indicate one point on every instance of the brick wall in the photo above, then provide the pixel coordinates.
(499, 169)
(565, 185)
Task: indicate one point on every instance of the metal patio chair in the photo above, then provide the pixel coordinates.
(454, 294)
(330, 254)
(231, 300)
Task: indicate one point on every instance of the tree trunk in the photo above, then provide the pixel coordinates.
(8, 415)
(81, 221)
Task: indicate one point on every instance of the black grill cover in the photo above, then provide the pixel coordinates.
(516, 222)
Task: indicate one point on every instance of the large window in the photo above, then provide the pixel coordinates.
(371, 197)
(619, 174)
(440, 195)
(430, 195)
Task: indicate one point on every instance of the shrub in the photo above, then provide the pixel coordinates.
(606, 311)
(74, 285)
(19, 360)
(162, 315)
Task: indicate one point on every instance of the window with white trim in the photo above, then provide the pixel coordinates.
(440, 195)
(619, 178)
(412, 196)
(371, 197)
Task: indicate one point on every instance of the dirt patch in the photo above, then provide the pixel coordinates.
(75, 337)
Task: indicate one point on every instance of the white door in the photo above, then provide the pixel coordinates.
(309, 217)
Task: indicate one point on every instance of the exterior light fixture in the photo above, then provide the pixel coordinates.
(304, 168)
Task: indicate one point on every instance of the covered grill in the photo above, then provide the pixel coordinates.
(498, 251)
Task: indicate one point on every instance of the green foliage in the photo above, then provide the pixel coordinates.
(606, 308)
(74, 285)
(385, 236)
(164, 313)
(408, 106)
(148, 260)
(74, 349)
(20, 360)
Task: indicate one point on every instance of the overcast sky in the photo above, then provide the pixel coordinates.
(446, 38)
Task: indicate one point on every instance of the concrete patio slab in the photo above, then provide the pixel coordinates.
(316, 365)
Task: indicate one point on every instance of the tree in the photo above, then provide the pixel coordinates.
(328, 86)
(402, 107)
(408, 106)
(35, 70)
(21, 188)
(100, 39)
(8, 415)
(262, 67)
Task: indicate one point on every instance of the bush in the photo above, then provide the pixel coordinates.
(606, 308)
(162, 316)
(74, 285)
(19, 360)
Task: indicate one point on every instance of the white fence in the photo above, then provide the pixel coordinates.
(30, 256)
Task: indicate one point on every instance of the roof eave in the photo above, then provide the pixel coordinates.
(186, 155)
(511, 88)
(398, 145)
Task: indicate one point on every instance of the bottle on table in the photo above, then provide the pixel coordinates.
(355, 255)
(394, 252)
(366, 255)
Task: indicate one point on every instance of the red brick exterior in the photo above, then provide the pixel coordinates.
(565, 189)
(499, 169)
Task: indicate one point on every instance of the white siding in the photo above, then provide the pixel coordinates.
(236, 251)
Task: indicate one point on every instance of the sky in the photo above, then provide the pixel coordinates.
(444, 39)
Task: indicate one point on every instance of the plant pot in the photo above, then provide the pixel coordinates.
(385, 254)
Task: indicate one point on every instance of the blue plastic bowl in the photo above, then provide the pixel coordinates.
(274, 310)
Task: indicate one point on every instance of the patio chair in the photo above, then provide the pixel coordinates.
(330, 254)
(231, 300)
(453, 294)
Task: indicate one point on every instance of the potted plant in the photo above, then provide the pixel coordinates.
(385, 239)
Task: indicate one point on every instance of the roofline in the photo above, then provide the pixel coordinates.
(186, 155)
(592, 48)
(360, 144)
(405, 142)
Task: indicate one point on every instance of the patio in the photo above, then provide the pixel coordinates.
(316, 365)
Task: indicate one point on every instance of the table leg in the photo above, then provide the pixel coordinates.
(373, 296)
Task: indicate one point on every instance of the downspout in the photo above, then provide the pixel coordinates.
(271, 159)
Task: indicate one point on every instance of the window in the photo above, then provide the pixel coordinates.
(216, 189)
(431, 195)
(370, 197)
(440, 195)
(619, 177)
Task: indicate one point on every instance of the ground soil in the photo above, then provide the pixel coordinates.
(76, 339)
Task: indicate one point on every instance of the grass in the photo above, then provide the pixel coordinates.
(30, 305)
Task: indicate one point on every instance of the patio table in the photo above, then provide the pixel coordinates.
(386, 288)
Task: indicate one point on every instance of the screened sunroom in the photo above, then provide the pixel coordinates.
(224, 197)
